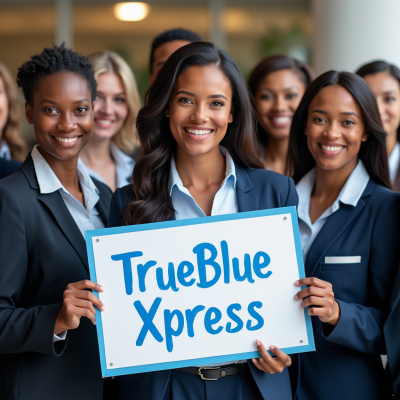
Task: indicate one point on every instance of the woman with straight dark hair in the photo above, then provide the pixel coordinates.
(384, 80)
(348, 220)
(199, 157)
(277, 84)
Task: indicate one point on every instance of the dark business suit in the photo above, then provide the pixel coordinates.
(7, 167)
(255, 190)
(347, 363)
(392, 337)
(42, 251)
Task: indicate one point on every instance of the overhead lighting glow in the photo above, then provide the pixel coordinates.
(131, 11)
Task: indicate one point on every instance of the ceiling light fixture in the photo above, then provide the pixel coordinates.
(131, 11)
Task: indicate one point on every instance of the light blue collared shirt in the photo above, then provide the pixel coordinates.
(123, 165)
(225, 201)
(394, 161)
(86, 217)
(350, 194)
(5, 150)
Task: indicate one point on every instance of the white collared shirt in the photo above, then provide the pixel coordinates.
(394, 161)
(5, 150)
(123, 166)
(225, 201)
(350, 194)
(85, 217)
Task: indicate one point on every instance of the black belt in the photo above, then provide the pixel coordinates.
(215, 373)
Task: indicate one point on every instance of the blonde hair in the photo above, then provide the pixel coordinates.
(12, 128)
(105, 62)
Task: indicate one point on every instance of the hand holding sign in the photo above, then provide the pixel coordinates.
(319, 294)
(269, 364)
(78, 302)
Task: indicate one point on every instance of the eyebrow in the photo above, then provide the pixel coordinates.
(117, 94)
(390, 91)
(54, 102)
(285, 90)
(213, 96)
(343, 113)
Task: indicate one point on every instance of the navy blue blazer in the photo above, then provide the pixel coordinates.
(347, 363)
(392, 337)
(42, 251)
(7, 167)
(255, 190)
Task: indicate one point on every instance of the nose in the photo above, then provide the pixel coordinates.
(332, 131)
(105, 106)
(279, 104)
(199, 114)
(67, 124)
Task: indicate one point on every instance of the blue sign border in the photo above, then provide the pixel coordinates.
(106, 372)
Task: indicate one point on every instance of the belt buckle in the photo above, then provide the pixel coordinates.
(207, 379)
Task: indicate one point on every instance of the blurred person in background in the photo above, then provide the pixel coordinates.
(277, 84)
(12, 147)
(167, 43)
(384, 80)
(349, 231)
(107, 156)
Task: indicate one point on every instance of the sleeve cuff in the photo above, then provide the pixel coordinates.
(61, 336)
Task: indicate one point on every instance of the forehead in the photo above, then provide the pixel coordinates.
(62, 85)
(162, 52)
(335, 99)
(382, 82)
(204, 80)
(110, 82)
(283, 78)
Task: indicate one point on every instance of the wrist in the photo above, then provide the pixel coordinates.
(335, 315)
(60, 326)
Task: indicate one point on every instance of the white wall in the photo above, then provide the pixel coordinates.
(349, 33)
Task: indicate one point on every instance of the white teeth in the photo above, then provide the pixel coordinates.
(66, 140)
(281, 120)
(198, 132)
(332, 148)
(104, 121)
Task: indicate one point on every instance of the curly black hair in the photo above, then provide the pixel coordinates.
(51, 61)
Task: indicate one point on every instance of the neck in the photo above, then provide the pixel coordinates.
(65, 170)
(329, 184)
(391, 141)
(96, 152)
(276, 154)
(200, 171)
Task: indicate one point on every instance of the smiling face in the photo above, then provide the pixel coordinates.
(335, 129)
(110, 106)
(277, 99)
(200, 109)
(62, 115)
(3, 106)
(387, 92)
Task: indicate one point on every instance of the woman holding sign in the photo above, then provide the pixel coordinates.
(48, 344)
(199, 158)
(348, 220)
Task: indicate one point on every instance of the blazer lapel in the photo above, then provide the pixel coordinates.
(57, 207)
(336, 224)
(103, 210)
(246, 202)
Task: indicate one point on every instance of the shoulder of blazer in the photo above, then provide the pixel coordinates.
(127, 195)
(260, 180)
(378, 193)
(7, 167)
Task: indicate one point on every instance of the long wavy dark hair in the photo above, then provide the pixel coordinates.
(374, 68)
(271, 64)
(151, 202)
(373, 152)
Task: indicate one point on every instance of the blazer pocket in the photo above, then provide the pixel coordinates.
(343, 267)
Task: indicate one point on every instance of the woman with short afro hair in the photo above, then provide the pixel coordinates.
(48, 345)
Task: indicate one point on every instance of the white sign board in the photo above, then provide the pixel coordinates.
(198, 291)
